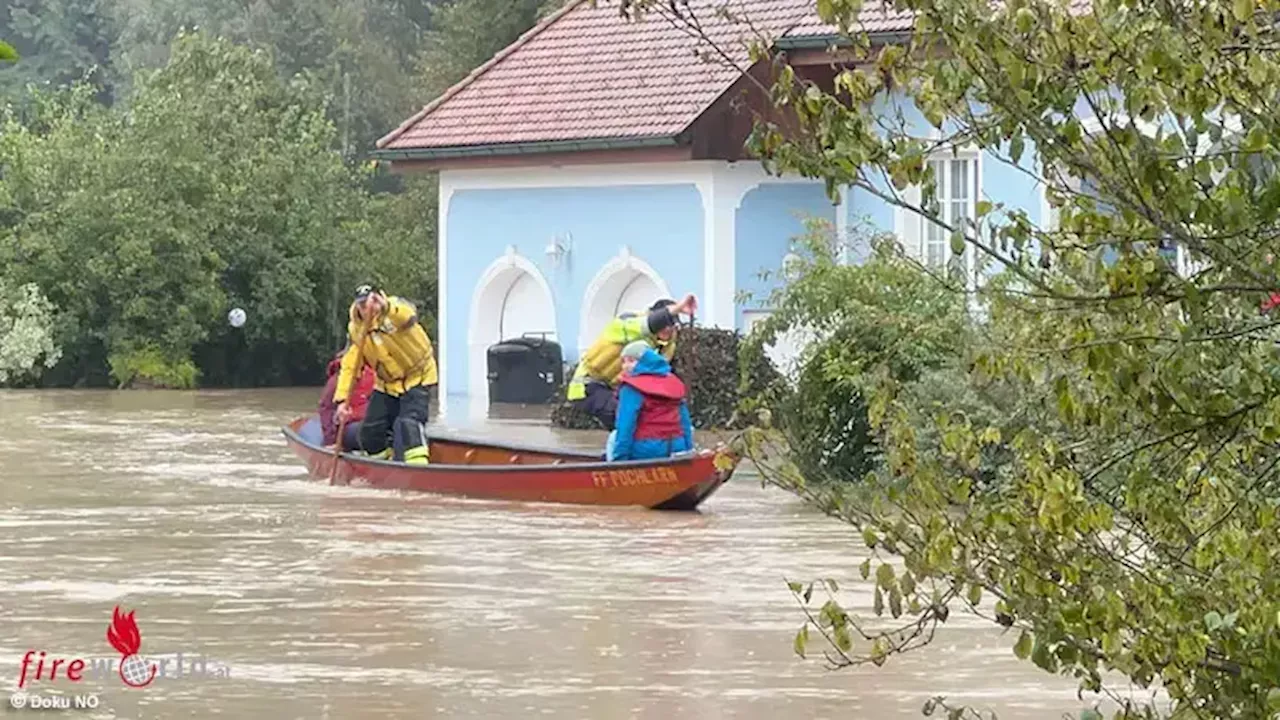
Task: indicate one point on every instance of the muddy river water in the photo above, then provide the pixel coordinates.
(287, 598)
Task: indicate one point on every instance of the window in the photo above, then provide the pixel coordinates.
(955, 193)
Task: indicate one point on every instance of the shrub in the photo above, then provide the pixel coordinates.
(26, 333)
(885, 319)
(147, 367)
(708, 361)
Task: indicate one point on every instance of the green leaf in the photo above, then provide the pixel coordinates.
(1273, 699)
(884, 576)
(1242, 9)
(957, 242)
(879, 651)
(1090, 714)
(877, 603)
(895, 602)
(870, 538)
(908, 583)
(7, 53)
(844, 641)
(1256, 139)
(983, 208)
(1016, 146)
(808, 593)
(795, 587)
(975, 594)
(1024, 19)
(801, 641)
(1022, 648)
(865, 570)
(1212, 620)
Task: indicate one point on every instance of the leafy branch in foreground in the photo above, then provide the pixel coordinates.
(1121, 511)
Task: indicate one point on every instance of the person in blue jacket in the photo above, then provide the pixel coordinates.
(653, 416)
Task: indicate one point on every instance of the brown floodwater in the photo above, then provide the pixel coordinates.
(308, 601)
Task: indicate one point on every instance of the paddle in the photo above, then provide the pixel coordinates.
(342, 421)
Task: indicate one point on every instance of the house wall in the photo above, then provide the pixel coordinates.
(495, 222)
(705, 226)
(629, 230)
(998, 182)
(768, 217)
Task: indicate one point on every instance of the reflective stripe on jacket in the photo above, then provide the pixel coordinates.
(603, 360)
(397, 347)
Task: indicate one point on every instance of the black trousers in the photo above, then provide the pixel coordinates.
(388, 416)
(601, 402)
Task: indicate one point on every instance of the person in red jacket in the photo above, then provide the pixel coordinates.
(653, 413)
(359, 401)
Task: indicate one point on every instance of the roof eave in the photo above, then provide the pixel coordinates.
(526, 148)
(818, 42)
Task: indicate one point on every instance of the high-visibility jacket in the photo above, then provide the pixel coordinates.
(603, 360)
(396, 346)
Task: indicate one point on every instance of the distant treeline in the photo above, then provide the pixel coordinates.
(152, 178)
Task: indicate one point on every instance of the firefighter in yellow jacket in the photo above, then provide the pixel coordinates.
(594, 383)
(398, 349)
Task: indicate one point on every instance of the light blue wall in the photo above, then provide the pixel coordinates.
(767, 219)
(1000, 182)
(663, 225)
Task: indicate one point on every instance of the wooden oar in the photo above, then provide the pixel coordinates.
(355, 380)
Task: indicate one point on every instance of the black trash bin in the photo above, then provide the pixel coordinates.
(526, 370)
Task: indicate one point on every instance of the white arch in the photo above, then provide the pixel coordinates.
(599, 302)
(487, 306)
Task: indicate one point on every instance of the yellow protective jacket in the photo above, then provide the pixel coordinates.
(397, 347)
(603, 360)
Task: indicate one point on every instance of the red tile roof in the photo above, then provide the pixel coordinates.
(585, 73)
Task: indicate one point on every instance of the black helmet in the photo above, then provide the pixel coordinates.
(365, 291)
(661, 304)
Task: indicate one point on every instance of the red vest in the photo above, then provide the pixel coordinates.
(660, 410)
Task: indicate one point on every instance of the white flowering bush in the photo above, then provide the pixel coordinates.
(26, 333)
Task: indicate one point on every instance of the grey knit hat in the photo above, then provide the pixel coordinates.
(635, 349)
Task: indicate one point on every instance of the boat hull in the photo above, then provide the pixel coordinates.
(476, 469)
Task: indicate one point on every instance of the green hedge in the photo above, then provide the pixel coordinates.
(707, 359)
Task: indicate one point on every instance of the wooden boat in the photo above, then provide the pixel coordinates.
(472, 468)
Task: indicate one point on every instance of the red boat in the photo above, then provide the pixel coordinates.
(471, 468)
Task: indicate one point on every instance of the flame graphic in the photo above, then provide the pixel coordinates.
(123, 634)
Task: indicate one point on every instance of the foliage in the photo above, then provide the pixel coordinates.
(217, 187)
(709, 361)
(150, 366)
(465, 34)
(61, 41)
(1136, 530)
(885, 314)
(7, 53)
(359, 53)
(568, 415)
(26, 333)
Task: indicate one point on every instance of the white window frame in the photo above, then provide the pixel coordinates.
(913, 228)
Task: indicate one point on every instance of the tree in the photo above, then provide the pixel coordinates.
(61, 41)
(26, 333)
(218, 187)
(357, 52)
(465, 34)
(1137, 530)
